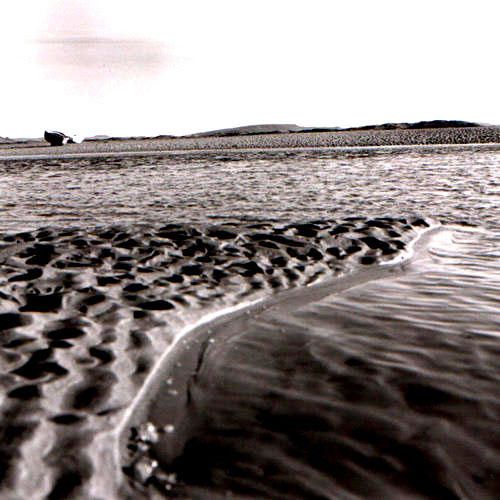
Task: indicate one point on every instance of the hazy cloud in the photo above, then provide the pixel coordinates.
(128, 67)
(97, 57)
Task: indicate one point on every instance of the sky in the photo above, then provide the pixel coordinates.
(151, 67)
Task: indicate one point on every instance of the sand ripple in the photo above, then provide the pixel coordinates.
(386, 390)
(86, 313)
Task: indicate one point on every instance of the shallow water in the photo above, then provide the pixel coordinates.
(451, 184)
(384, 390)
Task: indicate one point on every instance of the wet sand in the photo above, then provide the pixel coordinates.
(299, 398)
(91, 316)
(86, 314)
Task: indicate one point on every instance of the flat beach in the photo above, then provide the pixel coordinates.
(278, 358)
(249, 251)
(312, 140)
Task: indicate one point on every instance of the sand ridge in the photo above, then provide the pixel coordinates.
(86, 313)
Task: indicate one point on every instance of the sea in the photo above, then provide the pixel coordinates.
(386, 389)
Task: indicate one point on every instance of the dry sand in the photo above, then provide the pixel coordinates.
(339, 139)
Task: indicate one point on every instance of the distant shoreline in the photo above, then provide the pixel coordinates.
(333, 149)
(303, 140)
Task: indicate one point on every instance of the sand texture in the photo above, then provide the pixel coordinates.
(87, 313)
(385, 389)
(264, 141)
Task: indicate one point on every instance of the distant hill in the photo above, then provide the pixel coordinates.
(21, 140)
(18, 143)
(296, 129)
(6, 142)
(106, 138)
(250, 130)
(418, 125)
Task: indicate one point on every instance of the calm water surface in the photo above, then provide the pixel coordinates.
(386, 390)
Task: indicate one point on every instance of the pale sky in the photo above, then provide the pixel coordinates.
(149, 67)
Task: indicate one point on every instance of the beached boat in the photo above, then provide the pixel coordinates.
(57, 138)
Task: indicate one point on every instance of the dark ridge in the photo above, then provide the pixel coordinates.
(175, 278)
(13, 320)
(315, 254)
(417, 125)
(12, 436)
(250, 130)
(128, 244)
(221, 234)
(296, 129)
(60, 344)
(25, 236)
(156, 305)
(107, 280)
(40, 364)
(367, 259)
(135, 287)
(420, 222)
(49, 302)
(40, 254)
(352, 249)
(375, 243)
(65, 486)
(94, 391)
(25, 392)
(268, 244)
(65, 333)
(378, 223)
(143, 364)
(307, 230)
(123, 266)
(192, 269)
(279, 261)
(339, 230)
(17, 341)
(139, 340)
(31, 274)
(104, 355)
(67, 419)
(277, 239)
(97, 298)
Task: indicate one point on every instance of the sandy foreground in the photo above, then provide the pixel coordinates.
(265, 141)
(87, 315)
